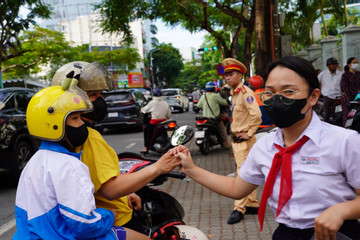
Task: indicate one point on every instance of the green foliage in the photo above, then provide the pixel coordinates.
(167, 64)
(43, 48)
(13, 23)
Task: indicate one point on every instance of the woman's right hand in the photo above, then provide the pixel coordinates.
(186, 162)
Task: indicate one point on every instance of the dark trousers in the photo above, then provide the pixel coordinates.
(148, 132)
(350, 228)
(328, 108)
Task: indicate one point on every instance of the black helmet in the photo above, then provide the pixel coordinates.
(331, 61)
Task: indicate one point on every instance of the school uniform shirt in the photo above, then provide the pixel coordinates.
(103, 164)
(325, 171)
(246, 113)
(54, 199)
(330, 83)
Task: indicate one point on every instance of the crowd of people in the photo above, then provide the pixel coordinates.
(310, 169)
(335, 83)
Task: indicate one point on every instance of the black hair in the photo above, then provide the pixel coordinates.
(299, 65)
(350, 59)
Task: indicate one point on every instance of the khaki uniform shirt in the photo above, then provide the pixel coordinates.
(246, 113)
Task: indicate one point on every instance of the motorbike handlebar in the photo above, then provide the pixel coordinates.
(174, 174)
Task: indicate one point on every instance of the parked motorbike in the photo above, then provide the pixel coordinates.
(207, 134)
(195, 108)
(353, 117)
(160, 140)
(161, 214)
(337, 118)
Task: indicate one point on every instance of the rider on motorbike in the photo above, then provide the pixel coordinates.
(210, 103)
(111, 188)
(160, 111)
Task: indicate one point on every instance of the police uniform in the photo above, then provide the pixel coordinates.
(246, 117)
(325, 171)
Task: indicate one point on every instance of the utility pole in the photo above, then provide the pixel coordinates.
(152, 72)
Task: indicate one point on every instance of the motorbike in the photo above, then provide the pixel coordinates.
(207, 134)
(195, 108)
(161, 214)
(160, 139)
(337, 118)
(353, 117)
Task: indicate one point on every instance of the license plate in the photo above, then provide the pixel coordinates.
(199, 134)
(112, 114)
(338, 108)
(349, 122)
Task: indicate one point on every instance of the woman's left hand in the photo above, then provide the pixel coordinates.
(134, 201)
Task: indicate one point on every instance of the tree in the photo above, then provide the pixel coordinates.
(167, 64)
(12, 23)
(43, 47)
(223, 20)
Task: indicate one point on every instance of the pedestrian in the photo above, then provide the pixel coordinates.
(210, 104)
(330, 87)
(350, 85)
(160, 111)
(112, 189)
(318, 189)
(246, 119)
(54, 198)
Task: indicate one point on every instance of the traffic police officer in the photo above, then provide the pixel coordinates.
(246, 119)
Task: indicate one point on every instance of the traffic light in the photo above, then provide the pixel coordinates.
(204, 49)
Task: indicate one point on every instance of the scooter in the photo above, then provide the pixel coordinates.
(207, 134)
(161, 214)
(195, 108)
(160, 139)
(337, 118)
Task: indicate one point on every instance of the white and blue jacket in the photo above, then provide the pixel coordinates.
(54, 199)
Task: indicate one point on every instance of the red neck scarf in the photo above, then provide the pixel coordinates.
(281, 159)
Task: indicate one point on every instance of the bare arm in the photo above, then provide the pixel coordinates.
(125, 184)
(232, 187)
(330, 221)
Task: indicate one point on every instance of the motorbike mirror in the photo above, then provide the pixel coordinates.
(182, 135)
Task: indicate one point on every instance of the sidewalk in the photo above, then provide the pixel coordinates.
(209, 211)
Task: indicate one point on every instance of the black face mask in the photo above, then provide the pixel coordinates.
(283, 115)
(99, 112)
(76, 135)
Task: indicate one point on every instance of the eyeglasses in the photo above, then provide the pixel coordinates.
(286, 96)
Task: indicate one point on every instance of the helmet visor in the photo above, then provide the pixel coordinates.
(95, 76)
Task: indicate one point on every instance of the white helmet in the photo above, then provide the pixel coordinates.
(187, 232)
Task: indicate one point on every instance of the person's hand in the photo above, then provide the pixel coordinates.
(168, 161)
(328, 223)
(178, 149)
(242, 135)
(186, 162)
(134, 201)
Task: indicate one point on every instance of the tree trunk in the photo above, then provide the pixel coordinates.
(345, 13)
(262, 36)
(323, 20)
(249, 39)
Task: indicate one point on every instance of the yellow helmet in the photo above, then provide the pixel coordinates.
(93, 76)
(48, 109)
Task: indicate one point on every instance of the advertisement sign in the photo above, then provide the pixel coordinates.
(135, 80)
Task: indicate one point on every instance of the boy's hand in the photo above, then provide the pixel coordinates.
(114, 212)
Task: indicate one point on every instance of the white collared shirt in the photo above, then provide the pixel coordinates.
(325, 171)
(330, 83)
